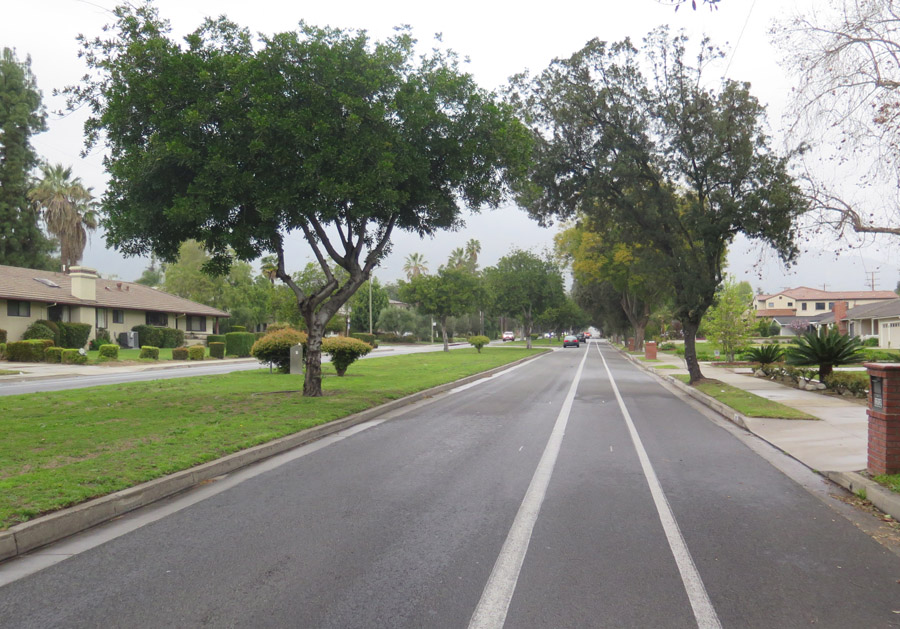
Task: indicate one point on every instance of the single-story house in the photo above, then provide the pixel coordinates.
(80, 296)
(792, 325)
(881, 320)
(809, 302)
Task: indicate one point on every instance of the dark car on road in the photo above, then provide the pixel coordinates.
(570, 341)
(580, 336)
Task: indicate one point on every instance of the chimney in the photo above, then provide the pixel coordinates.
(840, 316)
(84, 282)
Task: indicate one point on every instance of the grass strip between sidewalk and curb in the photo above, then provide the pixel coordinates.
(744, 402)
(63, 448)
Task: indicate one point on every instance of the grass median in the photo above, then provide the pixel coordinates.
(744, 402)
(62, 448)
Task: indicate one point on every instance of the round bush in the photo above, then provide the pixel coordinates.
(53, 354)
(148, 351)
(179, 353)
(196, 352)
(344, 351)
(478, 342)
(38, 331)
(275, 348)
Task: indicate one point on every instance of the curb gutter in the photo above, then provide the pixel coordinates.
(47, 529)
(885, 499)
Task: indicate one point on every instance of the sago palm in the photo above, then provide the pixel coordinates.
(68, 210)
(765, 354)
(825, 349)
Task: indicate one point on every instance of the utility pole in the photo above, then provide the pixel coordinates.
(873, 274)
(370, 305)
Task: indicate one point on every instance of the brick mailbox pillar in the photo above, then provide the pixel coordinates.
(630, 343)
(884, 418)
(650, 350)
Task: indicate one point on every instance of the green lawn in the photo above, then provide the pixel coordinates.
(744, 402)
(667, 367)
(8, 372)
(62, 448)
(165, 353)
(891, 481)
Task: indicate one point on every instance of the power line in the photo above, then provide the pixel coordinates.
(740, 37)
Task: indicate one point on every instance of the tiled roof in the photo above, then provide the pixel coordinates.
(788, 319)
(806, 293)
(25, 285)
(776, 312)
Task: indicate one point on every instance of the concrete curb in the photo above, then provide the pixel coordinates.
(885, 499)
(33, 534)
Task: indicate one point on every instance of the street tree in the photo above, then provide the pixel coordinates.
(22, 115)
(360, 321)
(730, 321)
(68, 209)
(565, 317)
(318, 131)
(670, 160)
(524, 285)
(396, 320)
(450, 293)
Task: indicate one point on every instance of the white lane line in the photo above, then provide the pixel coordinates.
(490, 613)
(704, 612)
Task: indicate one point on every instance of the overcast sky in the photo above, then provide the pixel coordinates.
(500, 39)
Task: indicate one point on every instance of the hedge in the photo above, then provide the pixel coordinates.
(390, 337)
(156, 336)
(238, 328)
(38, 330)
(2, 335)
(73, 335)
(2, 351)
(53, 354)
(179, 353)
(217, 350)
(239, 343)
(855, 382)
(109, 351)
(344, 351)
(215, 338)
(55, 327)
(73, 356)
(365, 337)
(148, 351)
(196, 352)
(27, 351)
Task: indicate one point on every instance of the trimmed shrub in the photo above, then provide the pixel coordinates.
(274, 327)
(275, 348)
(239, 343)
(478, 342)
(73, 335)
(344, 351)
(109, 351)
(55, 327)
(365, 337)
(3, 351)
(148, 335)
(391, 337)
(871, 342)
(172, 337)
(53, 354)
(667, 347)
(881, 356)
(31, 351)
(238, 328)
(102, 338)
(215, 338)
(196, 352)
(38, 330)
(2, 336)
(72, 356)
(217, 350)
(148, 351)
(854, 382)
(179, 353)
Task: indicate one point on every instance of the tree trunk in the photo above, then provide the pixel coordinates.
(444, 333)
(527, 325)
(312, 383)
(690, 350)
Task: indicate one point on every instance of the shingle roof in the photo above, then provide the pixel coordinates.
(26, 285)
(805, 293)
(878, 310)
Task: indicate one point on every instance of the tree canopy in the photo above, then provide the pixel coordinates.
(451, 293)
(317, 131)
(22, 115)
(666, 160)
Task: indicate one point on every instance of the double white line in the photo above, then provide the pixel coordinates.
(490, 613)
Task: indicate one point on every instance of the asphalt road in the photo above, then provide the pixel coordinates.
(561, 494)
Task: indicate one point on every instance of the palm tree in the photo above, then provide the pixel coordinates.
(457, 259)
(415, 266)
(473, 248)
(68, 210)
(269, 268)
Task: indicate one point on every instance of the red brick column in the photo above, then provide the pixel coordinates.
(650, 350)
(884, 419)
(839, 310)
(630, 343)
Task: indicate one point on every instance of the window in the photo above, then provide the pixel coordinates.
(790, 304)
(18, 308)
(831, 305)
(196, 324)
(803, 306)
(771, 304)
(820, 305)
(101, 318)
(158, 318)
(118, 316)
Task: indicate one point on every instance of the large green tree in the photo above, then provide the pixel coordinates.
(21, 115)
(319, 131)
(672, 160)
(450, 293)
(359, 305)
(523, 284)
(731, 320)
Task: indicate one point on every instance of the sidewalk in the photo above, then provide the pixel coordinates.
(835, 445)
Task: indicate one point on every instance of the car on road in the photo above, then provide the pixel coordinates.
(509, 336)
(587, 335)
(581, 337)
(570, 340)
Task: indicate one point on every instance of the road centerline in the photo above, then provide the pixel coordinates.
(492, 608)
(704, 612)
